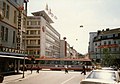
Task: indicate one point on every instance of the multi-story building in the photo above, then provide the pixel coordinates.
(12, 27)
(66, 51)
(106, 40)
(91, 43)
(42, 39)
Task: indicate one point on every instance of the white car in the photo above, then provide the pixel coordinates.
(102, 77)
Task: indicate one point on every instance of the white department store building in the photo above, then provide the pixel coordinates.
(42, 39)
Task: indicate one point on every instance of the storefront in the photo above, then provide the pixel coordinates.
(10, 64)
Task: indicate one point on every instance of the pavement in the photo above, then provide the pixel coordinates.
(18, 77)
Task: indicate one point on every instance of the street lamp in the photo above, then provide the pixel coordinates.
(24, 56)
(24, 66)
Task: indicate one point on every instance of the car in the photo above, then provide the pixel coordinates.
(109, 68)
(102, 77)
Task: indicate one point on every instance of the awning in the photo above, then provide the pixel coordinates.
(14, 57)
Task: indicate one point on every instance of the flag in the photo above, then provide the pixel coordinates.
(46, 8)
(52, 15)
(49, 11)
(55, 17)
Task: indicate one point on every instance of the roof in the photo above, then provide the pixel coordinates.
(44, 15)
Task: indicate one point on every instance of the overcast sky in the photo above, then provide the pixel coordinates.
(92, 14)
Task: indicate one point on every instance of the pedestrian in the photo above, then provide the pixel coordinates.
(66, 70)
(83, 70)
(38, 69)
(93, 67)
(31, 69)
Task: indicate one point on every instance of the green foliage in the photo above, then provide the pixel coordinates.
(108, 59)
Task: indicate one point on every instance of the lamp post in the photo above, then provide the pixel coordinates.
(25, 1)
(24, 66)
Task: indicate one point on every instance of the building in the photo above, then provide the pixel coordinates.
(106, 42)
(12, 27)
(42, 39)
(66, 51)
(91, 43)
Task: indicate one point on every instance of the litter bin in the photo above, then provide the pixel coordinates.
(1, 78)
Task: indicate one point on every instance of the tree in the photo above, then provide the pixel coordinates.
(107, 60)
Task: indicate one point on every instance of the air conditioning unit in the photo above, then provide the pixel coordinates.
(1, 14)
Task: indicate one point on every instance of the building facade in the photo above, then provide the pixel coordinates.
(106, 42)
(12, 27)
(91, 43)
(42, 39)
(66, 51)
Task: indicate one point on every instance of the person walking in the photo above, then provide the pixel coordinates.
(83, 71)
(38, 69)
(66, 70)
(31, 69)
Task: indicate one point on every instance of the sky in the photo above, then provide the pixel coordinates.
(94, 15)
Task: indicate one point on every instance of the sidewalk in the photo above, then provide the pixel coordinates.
(17, 77)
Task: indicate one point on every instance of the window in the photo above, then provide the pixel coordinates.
(104, 42)
(33, 32)
(38, 31)
(33, 22)
(109, 42)
(27, 22)
(38, 42)
(27, 32)
(24, 23)
(2, 32)
(38, 22)
(4, 8)
(96, 49)
(119, 42)
(38, 52)
(7, 11)
(114, 42)
(113, 35)
(15, 1)
(115, 49)
(15, 17)
(13, 36)
(33, 42)
(27, 42)
(6, 34)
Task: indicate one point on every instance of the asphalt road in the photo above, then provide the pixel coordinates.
(52, 77)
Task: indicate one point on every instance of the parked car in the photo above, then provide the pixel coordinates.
(102, 77)
(109, 68)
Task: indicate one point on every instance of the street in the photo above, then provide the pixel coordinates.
(52, 77)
